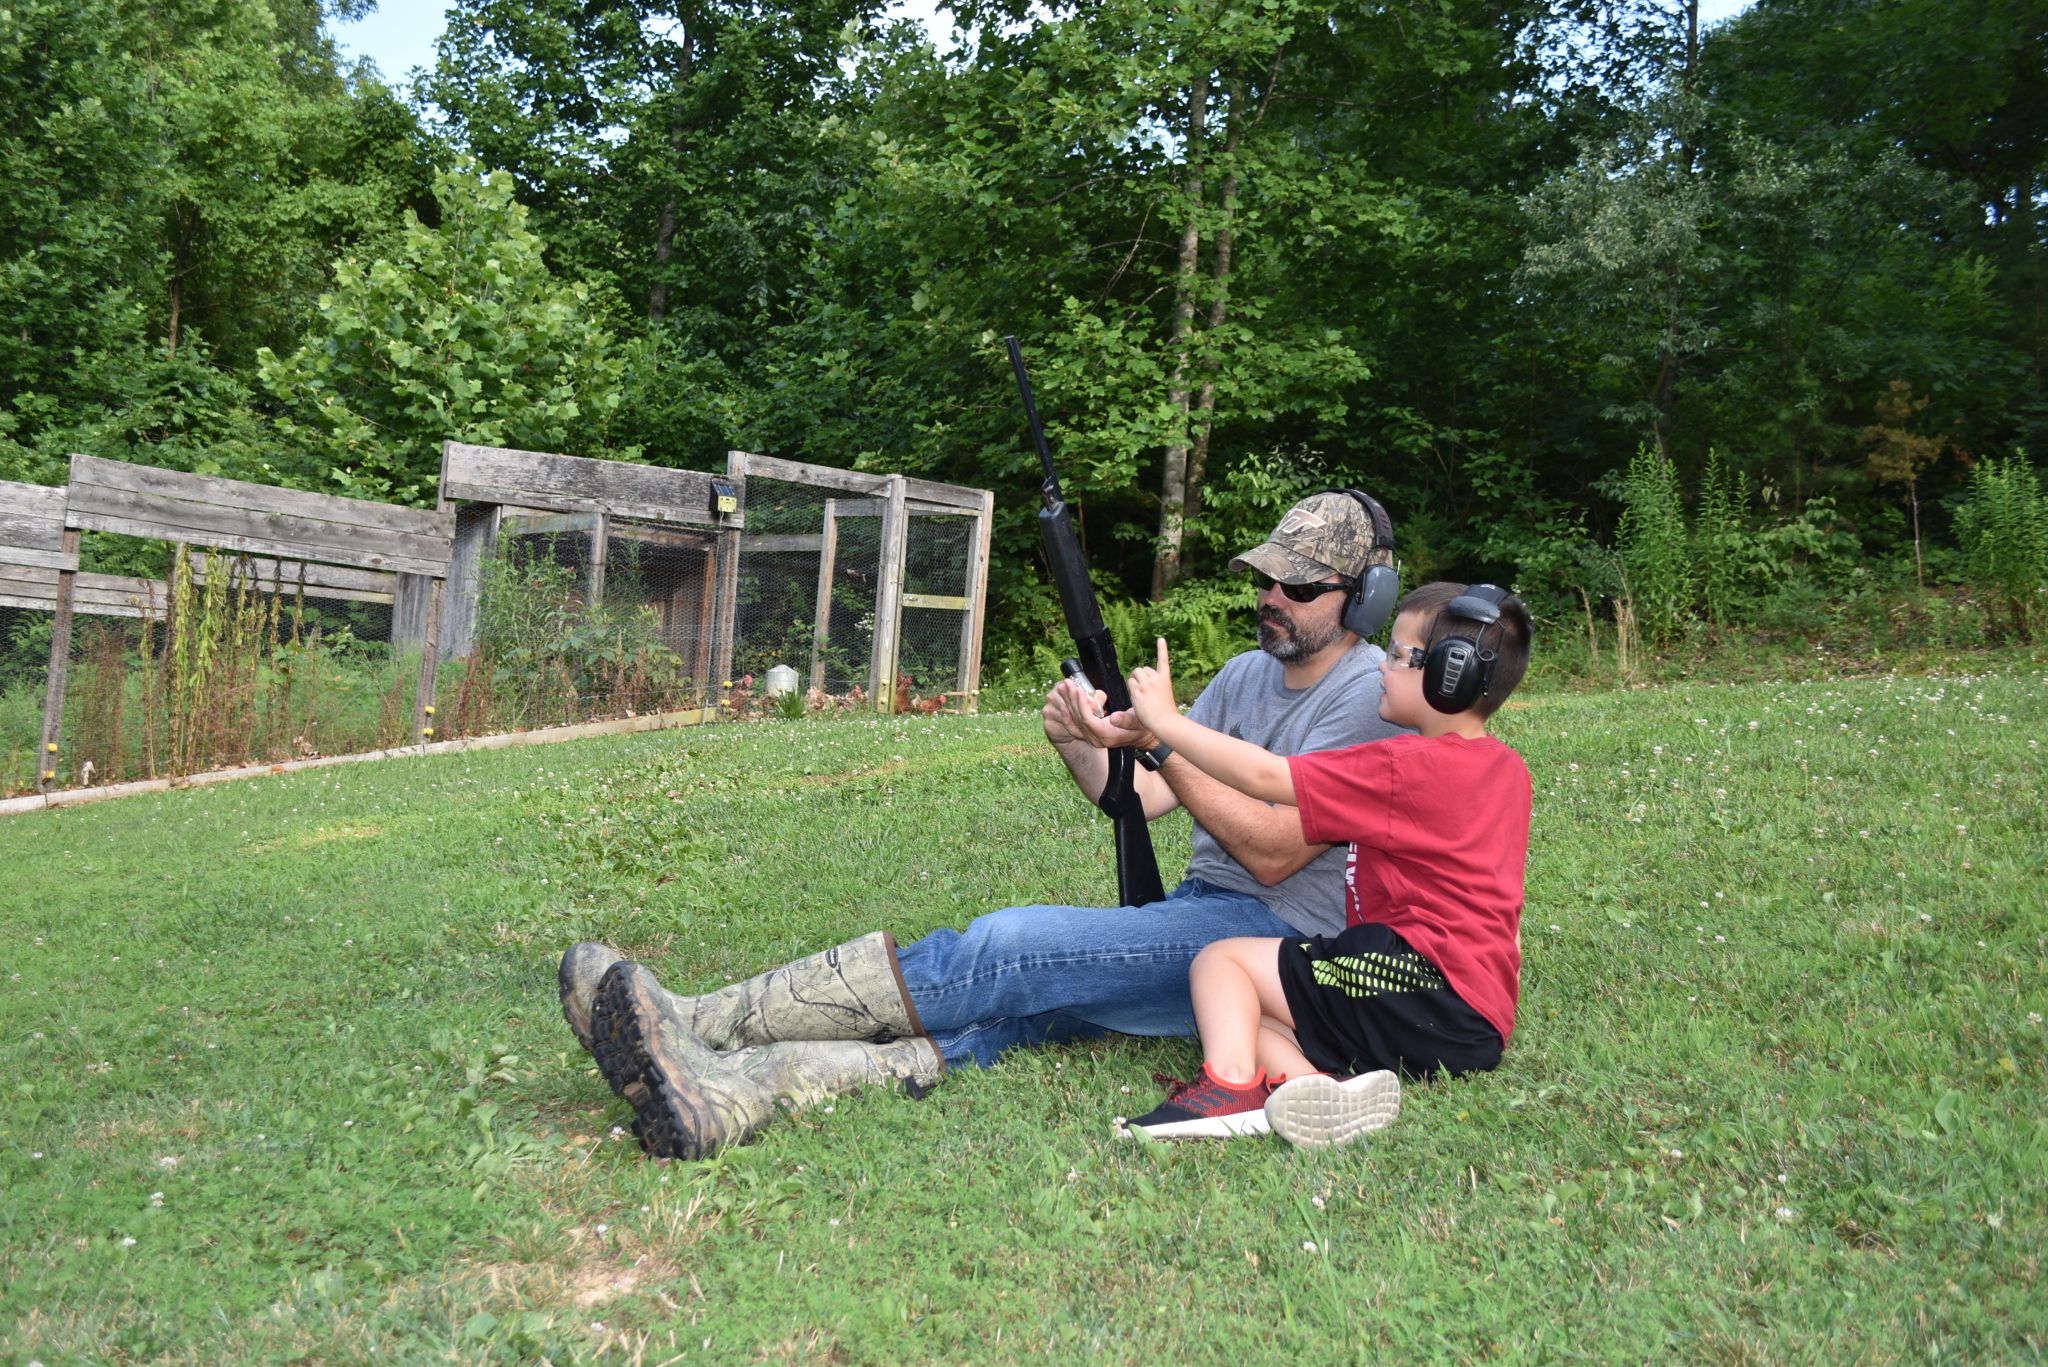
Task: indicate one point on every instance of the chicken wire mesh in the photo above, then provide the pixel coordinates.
(933, 647)
(806, 593)
(227, 660)
(583, 618)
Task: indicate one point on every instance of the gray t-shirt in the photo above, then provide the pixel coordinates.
(1249, 699)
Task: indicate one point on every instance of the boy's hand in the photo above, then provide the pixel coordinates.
(1152, 691)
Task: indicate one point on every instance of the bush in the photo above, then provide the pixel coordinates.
(2003, 528)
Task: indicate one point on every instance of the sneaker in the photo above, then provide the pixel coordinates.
(1207, 1108)
(1318, 1111)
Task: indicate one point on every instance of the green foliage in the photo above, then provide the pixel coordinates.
(460, 334)
(1735, 564)
(2004, 533)
(1652, 547)
(173, 176)
(548, 656)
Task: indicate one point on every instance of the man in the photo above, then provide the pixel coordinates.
(707, 1071)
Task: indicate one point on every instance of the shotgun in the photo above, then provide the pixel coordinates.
(1137, 869)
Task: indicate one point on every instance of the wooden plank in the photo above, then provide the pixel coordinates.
(31, 516)
(828, 557)
(882, 668)
(475, 530)
(345, 513)
(60, 670)
(598, 536)
(39, 582)
(93, 595)
(823, 476)
(876, 507)
(935, 600)
(430, 667)
(550, 524)
(726, 598)
(662, 536)
(220, 534)
(946, 497)
(96, 507)
(810, 543)
(37, 559)
(267, 574)
(977, 596)
(497, 474)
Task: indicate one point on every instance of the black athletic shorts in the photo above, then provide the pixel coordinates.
(1364, 1000)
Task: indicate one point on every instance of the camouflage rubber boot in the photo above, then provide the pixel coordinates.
(806, 1072)
(689, 1101)
(853, 991)
(583, 967)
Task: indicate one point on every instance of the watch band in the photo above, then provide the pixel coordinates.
(1155, 757)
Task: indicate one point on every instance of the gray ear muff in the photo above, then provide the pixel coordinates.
(1366, 611)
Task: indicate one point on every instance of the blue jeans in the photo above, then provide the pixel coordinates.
(1039, 975)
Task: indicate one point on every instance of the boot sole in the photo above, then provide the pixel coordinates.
(670, 1118)
(1319, 1112)
(566, 984)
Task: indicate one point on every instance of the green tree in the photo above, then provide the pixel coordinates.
(461, 333)
(175, 180)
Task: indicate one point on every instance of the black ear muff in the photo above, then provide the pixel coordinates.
(1366, 611)
(1456, 669)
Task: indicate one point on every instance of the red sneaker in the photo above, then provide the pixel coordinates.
(1208, 1108)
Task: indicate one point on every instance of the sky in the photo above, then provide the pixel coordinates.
(399, 35)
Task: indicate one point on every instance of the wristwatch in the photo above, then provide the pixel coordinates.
(1155, 757)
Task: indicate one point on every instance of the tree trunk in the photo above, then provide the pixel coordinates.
(1219, 306)
(1919, 566)
(1173, 479)
(665, 226)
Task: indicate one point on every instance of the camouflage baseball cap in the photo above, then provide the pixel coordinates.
(1324, 534)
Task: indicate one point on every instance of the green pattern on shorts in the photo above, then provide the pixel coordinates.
(1370, 975)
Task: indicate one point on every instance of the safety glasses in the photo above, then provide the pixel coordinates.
(1300, 593)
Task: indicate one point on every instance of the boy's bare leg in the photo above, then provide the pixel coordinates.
(1242, 1012)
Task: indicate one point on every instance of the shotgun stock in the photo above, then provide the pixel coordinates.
(1137, 868)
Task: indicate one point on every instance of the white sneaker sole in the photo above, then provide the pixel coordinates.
(1240, 1125)
(1319, 1112)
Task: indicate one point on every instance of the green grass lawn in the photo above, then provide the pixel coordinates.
(286, 1079)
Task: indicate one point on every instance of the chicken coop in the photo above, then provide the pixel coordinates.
(269, 624)
(586, 588)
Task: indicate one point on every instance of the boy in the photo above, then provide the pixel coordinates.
(1425, 974)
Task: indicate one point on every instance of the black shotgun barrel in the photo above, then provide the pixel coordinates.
(1137, 868)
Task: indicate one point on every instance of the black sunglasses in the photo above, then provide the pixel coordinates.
(1300, 593)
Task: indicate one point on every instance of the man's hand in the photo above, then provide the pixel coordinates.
(1073, 714)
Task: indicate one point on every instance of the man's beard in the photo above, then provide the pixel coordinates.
(1288, 640)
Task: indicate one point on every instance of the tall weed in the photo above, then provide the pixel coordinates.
(2004, 533)
(1653, 547)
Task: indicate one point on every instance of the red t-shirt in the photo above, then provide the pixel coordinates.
(1439, 835)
